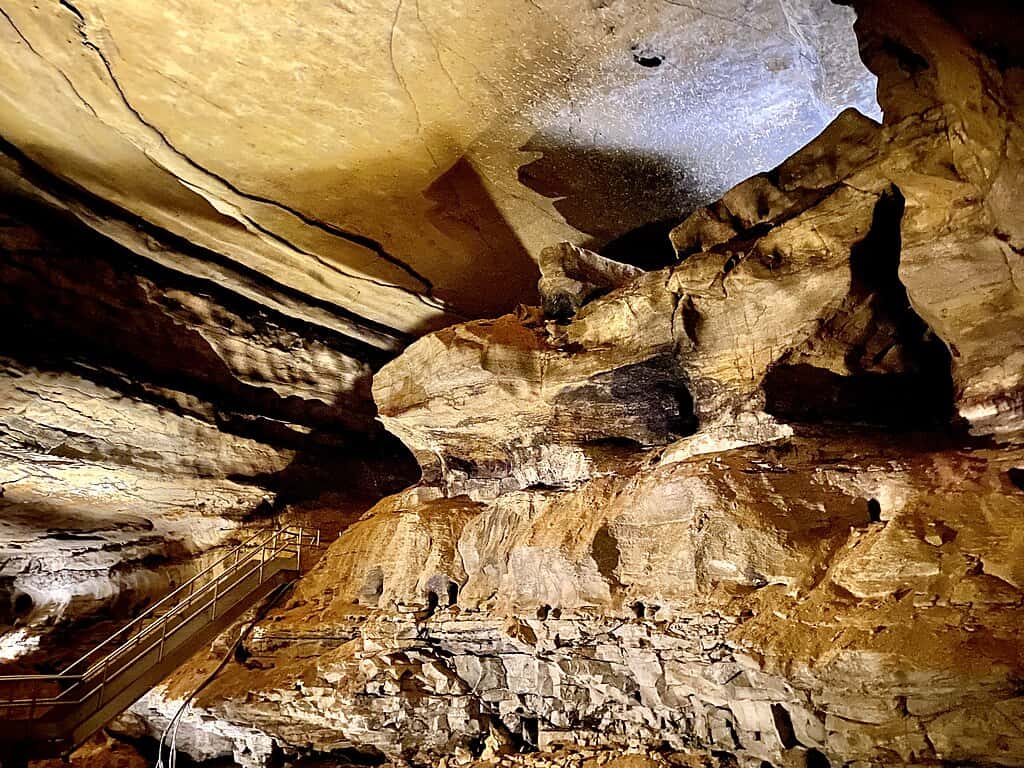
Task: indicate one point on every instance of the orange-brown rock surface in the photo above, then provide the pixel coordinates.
(767, 501)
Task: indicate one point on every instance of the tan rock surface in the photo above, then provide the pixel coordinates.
(745, 601)
(217, 225)
(148, 417)
(827, 571)
(373, 155)
(763, 502)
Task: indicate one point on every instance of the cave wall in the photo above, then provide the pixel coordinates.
(215, 227)
(148, 415)
(762, 503)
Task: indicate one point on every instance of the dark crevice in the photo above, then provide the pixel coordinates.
(899, 372)
(874, 511)
(1016, 475)
(605, 552)
(75, 12)
(653, 406)
(909, 61)
(83, 257)
(784, 726)
(373, 586)
(647, 247)
(646, 58)
(530, 731)
(363, 757)
(22, 604)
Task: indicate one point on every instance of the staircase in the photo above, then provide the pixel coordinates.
(45, 716)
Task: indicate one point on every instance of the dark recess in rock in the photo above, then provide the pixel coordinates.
(647, 246)
(605, 551)
(647, 61)
(910, 62)
(914, 392)
(1016, 475)
(874, 511)
(22, 604)
(651, 391)
(784, 726)
(805, 393)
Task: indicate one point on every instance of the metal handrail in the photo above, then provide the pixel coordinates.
(64, 699)
(188, 585)
(139, 622)
(18, 678)
(155, 633)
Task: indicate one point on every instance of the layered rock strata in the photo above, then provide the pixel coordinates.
(148, 415)
(766, 501)
(820, 597)
(404, 160)
(211, 239)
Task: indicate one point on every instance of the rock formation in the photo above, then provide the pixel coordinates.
(215, 227)
(745, 489)
(370, 154)
(147, 414)
(765, 501)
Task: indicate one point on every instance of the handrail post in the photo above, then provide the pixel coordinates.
(263, 558)
(163, 638)
(213, 605)
(298, 551)
(103, 682)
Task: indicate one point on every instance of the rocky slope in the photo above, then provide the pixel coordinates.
(766, 501)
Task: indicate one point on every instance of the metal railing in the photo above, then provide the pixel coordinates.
(112, 665)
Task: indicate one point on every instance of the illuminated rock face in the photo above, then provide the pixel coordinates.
(765, 501)
(147, 415)
(406, 161)
(766, 602)
(760, 499)
(216, 227)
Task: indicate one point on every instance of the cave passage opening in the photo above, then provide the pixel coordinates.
(895, 372)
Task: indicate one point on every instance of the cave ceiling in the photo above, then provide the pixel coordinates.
(400, 164)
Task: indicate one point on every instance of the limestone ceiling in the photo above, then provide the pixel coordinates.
(401, 162)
